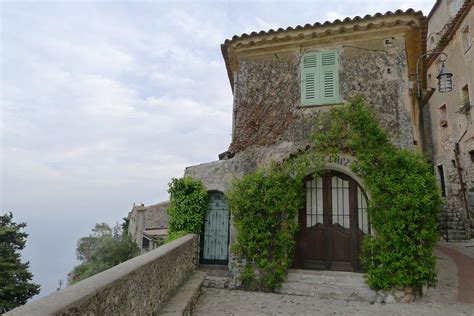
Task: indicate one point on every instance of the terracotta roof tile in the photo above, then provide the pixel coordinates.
(347, 20)
(451, 31)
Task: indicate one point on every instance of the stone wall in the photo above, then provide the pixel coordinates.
(267, 93)
(139, 286)
(146, 218)
(270, 124)
(446, 128)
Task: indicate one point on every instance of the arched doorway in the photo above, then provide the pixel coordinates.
(332, 223)
(215, 236)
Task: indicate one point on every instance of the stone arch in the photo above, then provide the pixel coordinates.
(333, 220)
(342, 164)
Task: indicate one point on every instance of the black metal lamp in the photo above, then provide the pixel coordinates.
(445, 80)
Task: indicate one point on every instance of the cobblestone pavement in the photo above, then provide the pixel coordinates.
(235, 302)
(441, 300)
(463, 257)
(466, 248)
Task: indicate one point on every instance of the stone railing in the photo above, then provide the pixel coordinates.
(139, 286)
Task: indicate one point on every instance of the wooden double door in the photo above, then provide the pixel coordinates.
(332, 223)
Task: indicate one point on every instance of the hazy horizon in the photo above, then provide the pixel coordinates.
(102, 103)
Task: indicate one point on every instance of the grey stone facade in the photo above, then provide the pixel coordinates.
(449, 131)
(269, 123)
(148, 225)
(267, 93)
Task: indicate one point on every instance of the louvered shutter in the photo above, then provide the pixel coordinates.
(319, 78)
(310, 92)
(329, 77)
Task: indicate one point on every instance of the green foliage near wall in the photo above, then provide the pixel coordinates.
(403, 207)
(16, 287)
(404, 201)
(104, 248)
(188, 205)
(264, 206)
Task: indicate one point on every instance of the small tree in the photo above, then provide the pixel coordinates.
(101, 250)
(15, 279)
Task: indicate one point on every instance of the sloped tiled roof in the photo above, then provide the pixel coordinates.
(452, 28)
(258, 37)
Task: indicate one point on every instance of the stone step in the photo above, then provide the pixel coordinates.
(327, 284)
(453, 228)
(452, 224)
(450, 218)
(182, 303)
(214, 269)
(462, 236)
(217, 276)
(217, 282)
(457, 231)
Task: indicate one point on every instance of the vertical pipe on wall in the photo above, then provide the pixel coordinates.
(461, 182)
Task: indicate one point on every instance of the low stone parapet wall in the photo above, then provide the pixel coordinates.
(139, 286)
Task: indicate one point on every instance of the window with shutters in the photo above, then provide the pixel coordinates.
(319, 78)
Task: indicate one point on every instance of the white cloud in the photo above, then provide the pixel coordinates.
(198, 28)
(102, 103)
(334, 15)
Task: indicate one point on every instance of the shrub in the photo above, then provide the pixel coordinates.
(188, 205)
(264, 206)
(104, 248)
(405, 198)
(403, 208)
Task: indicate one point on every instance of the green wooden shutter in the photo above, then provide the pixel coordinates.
(329, 77)
(319, 78)
(310, 93)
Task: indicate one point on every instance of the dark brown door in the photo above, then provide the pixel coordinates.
(332, 223)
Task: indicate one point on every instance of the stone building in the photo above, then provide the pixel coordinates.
(148, 225)
(448, 119)
(283, 78)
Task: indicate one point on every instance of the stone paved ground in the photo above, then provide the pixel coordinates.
(466, 248)
(439, 301)
(463, 257)
(234, 302)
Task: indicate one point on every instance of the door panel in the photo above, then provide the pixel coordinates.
(329, 236)
(314, 257)
(340, 209)
(215, 239)
(341, 258)
(313, 229)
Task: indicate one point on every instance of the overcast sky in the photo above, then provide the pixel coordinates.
(103, 102)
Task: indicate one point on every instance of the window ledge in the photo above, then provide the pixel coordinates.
(320, 104)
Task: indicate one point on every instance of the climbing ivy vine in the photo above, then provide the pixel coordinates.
(264, 205)
(405, 198)
(403, 208)
(187, 209)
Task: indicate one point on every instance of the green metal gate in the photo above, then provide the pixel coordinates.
(215, 238)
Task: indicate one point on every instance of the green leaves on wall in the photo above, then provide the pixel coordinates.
(188, 205)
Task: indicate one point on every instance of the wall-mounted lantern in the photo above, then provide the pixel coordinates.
(445, 78)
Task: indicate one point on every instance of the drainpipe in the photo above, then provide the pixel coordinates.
(459, 172)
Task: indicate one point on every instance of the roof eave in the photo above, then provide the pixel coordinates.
(226, 45)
